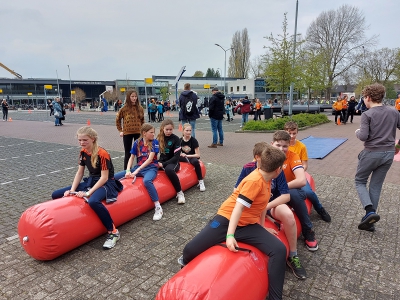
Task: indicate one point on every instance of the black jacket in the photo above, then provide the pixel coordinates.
(182, 101)
(216, 106)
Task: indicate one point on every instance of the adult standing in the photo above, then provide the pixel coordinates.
(351, 108)
(216, 114)
(132, 117)
(188, 104)
(245, 107)
(4, 106)
(50, 105)
(63, 112)
(57, 111)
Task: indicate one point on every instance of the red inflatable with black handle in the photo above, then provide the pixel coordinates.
(50, 229)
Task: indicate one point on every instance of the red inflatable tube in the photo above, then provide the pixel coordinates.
(50, 229)
(218, 273)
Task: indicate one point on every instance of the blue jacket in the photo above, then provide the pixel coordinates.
(182, 100)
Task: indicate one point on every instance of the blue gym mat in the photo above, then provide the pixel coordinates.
(318, 147)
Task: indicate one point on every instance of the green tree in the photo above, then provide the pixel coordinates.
(198, 74)
(164, 91)
(210, 73)
(279, 71)
(239, 60)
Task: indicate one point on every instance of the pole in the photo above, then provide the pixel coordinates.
(224, 63)
(70, 87)
(58, 86)
(294, 56)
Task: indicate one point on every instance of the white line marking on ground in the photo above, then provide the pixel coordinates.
(69, 168)
(24, 178)
(7, 182)
(40, 153)
(60, 149)
(3, 158)
(12, 237)
(50, 151)
(40, 175)
(28, 154)
(55, 171)
(15, 157)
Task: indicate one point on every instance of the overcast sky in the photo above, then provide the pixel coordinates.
(108, 40)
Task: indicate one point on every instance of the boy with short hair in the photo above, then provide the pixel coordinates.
(241, 218)
(298, 147)
(278, 209)
(378, 132)
(296, 179)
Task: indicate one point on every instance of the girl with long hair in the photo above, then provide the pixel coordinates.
(170, 151)
(132, 117)
(145, 149)
(190, 152)
(99, 186)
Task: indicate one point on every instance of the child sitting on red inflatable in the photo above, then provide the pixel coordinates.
(239, 219)
(278, 209)
(145, 148)
(99, 186)
(298, 147)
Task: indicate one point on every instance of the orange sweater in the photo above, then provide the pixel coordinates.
(131, 122)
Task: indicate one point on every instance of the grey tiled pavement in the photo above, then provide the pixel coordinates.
(36, 157)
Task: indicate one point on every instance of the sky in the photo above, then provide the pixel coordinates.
(129, 39)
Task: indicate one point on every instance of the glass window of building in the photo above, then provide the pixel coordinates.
(244, 88)
(231, 89)
(237, 88)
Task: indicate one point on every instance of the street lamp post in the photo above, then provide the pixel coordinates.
(224, 64)
(294, 56)
(220, 75)
(70, 87)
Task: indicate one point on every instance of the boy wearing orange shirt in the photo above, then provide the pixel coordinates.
(298, 147)
(241, 218)
(296, 179)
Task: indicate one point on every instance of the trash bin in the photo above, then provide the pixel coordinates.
(267, 113)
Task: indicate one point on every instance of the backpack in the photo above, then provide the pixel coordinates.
(153, 106)
(188, 107)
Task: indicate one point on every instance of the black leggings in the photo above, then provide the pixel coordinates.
(128, 142)
(195, 162)
(254, 235)
(170, 171)
(5, 114)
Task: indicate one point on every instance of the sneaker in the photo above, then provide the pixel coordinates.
(372, 228)
(241, 126)
(324, 215)
(368, 220)
(202, 186)
(158, 214)
(297, 269)
(181, 198)
(180, 261)
(213, 146)
(111, 240)
(311, 242)
(220, 144)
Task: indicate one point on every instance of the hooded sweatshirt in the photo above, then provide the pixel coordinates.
(216, 107)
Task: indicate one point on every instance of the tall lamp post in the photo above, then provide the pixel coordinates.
(294, 56)
(70, 87)
(225, 63)
(220, 74)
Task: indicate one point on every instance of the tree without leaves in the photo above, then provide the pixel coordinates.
(112, 96)
(239, 60)
(79, 95)
(257, 65)
(198, 74)
(339, 37)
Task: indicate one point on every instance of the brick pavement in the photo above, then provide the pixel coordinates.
(349, 264)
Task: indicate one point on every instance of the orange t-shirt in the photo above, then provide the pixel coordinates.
(300, 149)
(254, 193)
(344, 104)
(258, 105)
(397, 104)
(292, 163)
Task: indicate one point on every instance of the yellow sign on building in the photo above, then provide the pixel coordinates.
(206, 86)
(29, 94)
(48, 86)
(122, 89)
(72, 92)
(1, 91)
(148, 80)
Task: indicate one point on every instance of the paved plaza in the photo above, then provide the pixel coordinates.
(37, 157)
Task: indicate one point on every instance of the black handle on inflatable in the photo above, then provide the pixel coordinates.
(237, 248)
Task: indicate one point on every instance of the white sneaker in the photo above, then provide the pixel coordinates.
(111, 240)
(181, 198)
(158, 214)
(241, 126)
(202, 186)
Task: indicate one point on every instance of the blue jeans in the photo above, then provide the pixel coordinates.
(216, 125)
(245, 118)
(56, 121)
(95, 203)
(312, 196)
(297, 197)
(375, 163)
(193, 124)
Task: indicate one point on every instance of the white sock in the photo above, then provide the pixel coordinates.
(157, 204)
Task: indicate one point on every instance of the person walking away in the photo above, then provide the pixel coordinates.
(188, 112)
(4, 106)
(57, 111)
(63, 112)
(228, 111)
(245, 107)
(378, 132)
(351, 108)
(50, 105)
(160, 112)
(216, 114)
(132, 118)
